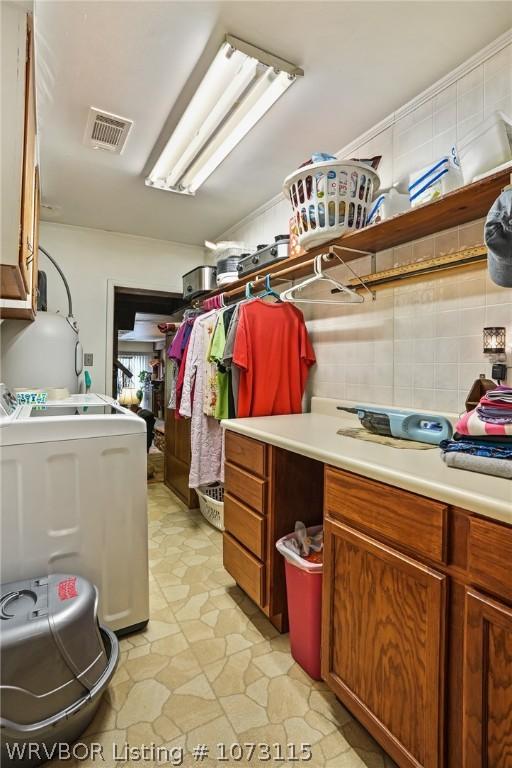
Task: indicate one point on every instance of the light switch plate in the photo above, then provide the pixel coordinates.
(88, 358)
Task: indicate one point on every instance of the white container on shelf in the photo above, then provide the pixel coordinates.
(486, 147)
(330, 198)
(225, 249)
(435, 180)
(389, 203)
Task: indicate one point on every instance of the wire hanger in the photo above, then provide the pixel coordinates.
(318, 276)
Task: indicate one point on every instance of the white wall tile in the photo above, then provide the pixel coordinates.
(446, 376)
(403, 397)
(471, 349)
(472, 321)
(447, 400)
(447, 350)
(424, 350)
(423, 398)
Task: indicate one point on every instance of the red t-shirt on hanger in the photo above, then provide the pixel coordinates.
(273, 351)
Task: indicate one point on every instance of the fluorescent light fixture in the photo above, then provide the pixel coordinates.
(240, 86)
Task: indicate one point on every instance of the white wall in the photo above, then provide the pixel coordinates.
(419, 345)
(136, 347)
(91, 258)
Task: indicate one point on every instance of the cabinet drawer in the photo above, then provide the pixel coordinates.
(245, 487)
(246, 452)
(490, 556)
(245, 525)
(403, 518)
(246, 570)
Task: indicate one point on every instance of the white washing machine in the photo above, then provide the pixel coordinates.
(73, 499)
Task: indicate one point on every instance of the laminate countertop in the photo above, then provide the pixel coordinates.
(420, 471)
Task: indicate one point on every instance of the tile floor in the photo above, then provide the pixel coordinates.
(211, 669)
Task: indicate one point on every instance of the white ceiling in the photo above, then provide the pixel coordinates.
(145, 328)
(142, 60)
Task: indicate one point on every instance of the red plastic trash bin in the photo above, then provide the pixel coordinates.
(304, 592)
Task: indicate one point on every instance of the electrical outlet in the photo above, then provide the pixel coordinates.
(88, 358)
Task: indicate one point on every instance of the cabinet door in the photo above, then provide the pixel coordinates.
(487, 688)
(383, 643)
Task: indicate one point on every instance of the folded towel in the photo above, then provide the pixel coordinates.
(494, 415)
(503, 442)
(470, 423)
(495, 467)
(501, 397)
(486, 450)
(501, 392)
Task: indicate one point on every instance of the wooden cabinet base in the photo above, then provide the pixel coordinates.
(383, 643)
(177, 459)
(267, 490)
(487, 688)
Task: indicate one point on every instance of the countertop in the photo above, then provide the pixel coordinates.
(420, 471)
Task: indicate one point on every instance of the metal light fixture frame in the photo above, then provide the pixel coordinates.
(259, 92)
(494, 338)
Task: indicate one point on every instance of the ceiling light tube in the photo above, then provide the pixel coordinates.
(266, 92)
(240, 86)
(224, 103)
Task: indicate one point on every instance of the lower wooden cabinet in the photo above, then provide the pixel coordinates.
(487, 683)
(417, 623)
(267, 489)
(383, 642)
(177, 458)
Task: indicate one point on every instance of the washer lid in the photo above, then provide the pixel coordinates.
(51, 411)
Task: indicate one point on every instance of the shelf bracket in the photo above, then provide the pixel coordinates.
(333, 255)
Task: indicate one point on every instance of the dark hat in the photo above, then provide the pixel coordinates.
(498, 239)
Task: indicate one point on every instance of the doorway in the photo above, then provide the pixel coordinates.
(138, 346)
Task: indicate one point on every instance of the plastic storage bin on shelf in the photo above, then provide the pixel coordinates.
(304, 594)
(330, 198)
(56, 663)
(389, 203)
(211, 504)
(486, 147)
(433, 181)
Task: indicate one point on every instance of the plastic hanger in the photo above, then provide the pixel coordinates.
(318, 276)
(248, 291)
(269, 291)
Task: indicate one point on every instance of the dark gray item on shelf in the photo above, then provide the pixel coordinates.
(264, 256)
(56, 663)
(498, 239)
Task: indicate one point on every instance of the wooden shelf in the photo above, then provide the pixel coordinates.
(459, 207)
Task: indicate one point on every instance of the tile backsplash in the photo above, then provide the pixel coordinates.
(418, 345)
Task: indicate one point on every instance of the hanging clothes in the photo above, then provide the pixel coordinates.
(207, 464)
(233, 371)
(273, 351)
(179, 381)
(215, 355)
(208, 323)
(227, 317)
(175, 354)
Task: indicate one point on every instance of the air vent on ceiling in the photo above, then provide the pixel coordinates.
(106, 131)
